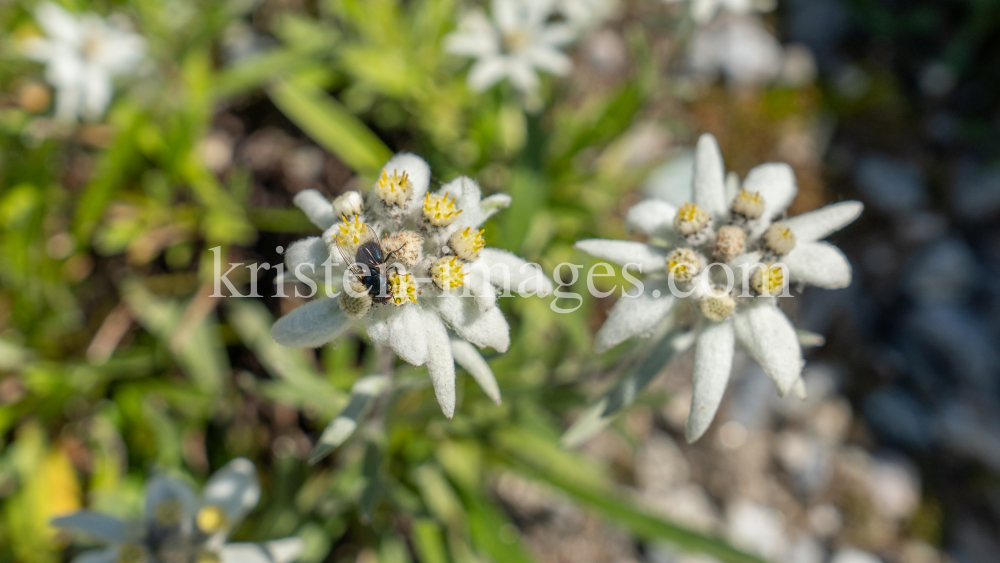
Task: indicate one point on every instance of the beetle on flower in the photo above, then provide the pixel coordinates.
(443, 281)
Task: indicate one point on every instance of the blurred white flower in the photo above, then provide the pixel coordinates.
(703, 11)
(179, 525)
(516, 42)
(441, 280)
(82, 55)
(584, 14)
(739, 48)
(733, 226)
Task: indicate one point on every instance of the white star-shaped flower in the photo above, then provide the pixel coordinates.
(82, 55)
(513, 44)
(584, 14)
(740, 48)
(734, 226)
(179, 524)
(442, 279)
(703, 11)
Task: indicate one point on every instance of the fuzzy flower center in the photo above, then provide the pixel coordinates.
(691, 219)
(683, 264)
(467, 243)
(439, 210)
(211, 519)
(91, 45)
(395, 189)
(768, 281)
(779, 238)
(351, 233)
(748, 204)
(168, 513)
(717, 307)
(349, 203)
(729, 243)
(516, 41)
(131, 553)
(447, 273)
(403, 289)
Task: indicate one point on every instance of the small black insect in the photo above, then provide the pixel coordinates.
(369, 266)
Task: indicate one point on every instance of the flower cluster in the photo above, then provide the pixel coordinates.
(731, 225)
(440, 280)
(517, 40)
(180, 526)
(82, 55)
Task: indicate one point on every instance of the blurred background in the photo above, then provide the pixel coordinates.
(116, 362)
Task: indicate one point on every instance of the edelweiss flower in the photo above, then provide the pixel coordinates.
(703, 11)
(442, 279)
(740, 48)
(517, 41)
(584, 14)
(82, 54)
(734, 227)
(179, 526)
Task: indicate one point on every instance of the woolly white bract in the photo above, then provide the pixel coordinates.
(733, 225)
(82, 54)
(181, 526)
(515, 41)
(444, 280)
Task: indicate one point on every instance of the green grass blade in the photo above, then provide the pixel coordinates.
(330, 124)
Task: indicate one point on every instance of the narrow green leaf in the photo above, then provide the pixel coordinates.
(598, 416)
(252, 323)
(257, 72)
(330, 124)
(201, 353)
(342, 427)
(493, 532)
(427, 541)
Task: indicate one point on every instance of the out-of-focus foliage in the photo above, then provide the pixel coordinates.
(117, 362)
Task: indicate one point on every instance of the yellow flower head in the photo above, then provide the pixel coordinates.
(351, 234)
(691, 219)
(447, 273)
(684, 264)
(395, 189)
(748, 204)
(779, 238)
(467, 243)
(403, 289)
(768, 281)
(439, 210)
(211, 519)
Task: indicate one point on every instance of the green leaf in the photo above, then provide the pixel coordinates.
(427, 541)
(341, 428)
(493, 532)
(598, 416)
(330, 124)
(257, 72)
(252, 322)
(197, 347)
